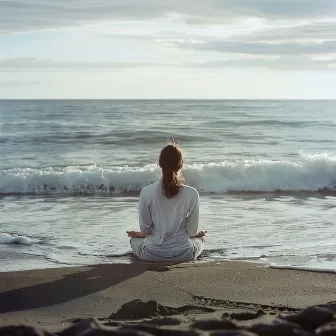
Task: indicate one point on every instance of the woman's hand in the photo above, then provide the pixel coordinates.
(200, 234)
(136, 234)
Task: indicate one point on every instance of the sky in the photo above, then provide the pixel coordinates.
(160, 49)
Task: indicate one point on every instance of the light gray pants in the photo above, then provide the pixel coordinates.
(198, 243)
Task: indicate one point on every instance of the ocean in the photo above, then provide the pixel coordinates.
(71, 172)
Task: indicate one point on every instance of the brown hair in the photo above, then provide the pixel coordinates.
(171, 161)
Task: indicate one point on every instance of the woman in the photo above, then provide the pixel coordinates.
(168, 215)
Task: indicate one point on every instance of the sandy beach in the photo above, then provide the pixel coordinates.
(56, 298)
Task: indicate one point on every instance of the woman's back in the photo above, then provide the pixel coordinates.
(169, 222)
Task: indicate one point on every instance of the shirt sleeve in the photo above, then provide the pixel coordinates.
(145, 218)
(192, 220)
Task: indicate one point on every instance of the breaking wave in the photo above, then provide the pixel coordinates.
(309, 173)
(6, 238)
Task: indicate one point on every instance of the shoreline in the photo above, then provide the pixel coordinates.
(53, 298)
(304, 269)
(203, 260)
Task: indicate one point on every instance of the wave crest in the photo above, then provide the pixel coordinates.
(6, 238)
(310, 173)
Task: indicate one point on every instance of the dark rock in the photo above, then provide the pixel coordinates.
(23, 330)
(165, 321)
(235, 332)
(76, 320)
(311, 318)
(330, 305)
(213, 324)
(328, 329)
(194, 309)
(129, 332)
(91, 327)
(243, 316)
(81, 327)
(139, 309)
(278, 328)
(112, 324)
(152, 330)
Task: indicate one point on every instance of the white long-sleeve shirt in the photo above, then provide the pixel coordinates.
(168, 222)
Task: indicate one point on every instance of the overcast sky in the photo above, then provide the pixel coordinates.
(223, 49)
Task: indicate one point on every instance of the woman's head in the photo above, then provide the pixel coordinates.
(171, 161)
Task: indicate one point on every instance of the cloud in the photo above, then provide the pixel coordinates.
(309, 31)
(312, 31)
(24, 15)
(260, 48)
(35, 63)
(295, 63)
(281, 63)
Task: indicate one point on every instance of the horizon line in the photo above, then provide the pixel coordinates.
(170, 99)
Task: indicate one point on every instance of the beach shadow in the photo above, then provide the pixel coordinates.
(71, 286)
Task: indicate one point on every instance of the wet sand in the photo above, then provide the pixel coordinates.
(56, 298)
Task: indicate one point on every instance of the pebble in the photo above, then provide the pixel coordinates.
(278, 328)
(313, 317)
(244, 316)
(213, 324)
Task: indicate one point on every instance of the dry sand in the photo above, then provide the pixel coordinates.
(53, 298)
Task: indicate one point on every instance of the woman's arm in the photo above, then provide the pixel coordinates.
(145, 218)
(192, 220)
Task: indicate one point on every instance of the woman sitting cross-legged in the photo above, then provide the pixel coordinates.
(168, 215)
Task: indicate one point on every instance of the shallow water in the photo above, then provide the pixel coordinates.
(72, 171)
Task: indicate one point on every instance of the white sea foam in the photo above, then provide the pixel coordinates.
(6, 238)
(304, 268)
(308, 173)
